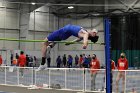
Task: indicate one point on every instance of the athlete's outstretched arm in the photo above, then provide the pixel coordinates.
(81, 35)
(84, 34)
(85, 40)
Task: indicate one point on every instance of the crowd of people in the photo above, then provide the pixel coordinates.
(92, 62)
(29, 62)
(78, 61)
(22, 60)
(81, 61)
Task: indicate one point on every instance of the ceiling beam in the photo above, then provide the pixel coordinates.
(127, 6)
(132, 5)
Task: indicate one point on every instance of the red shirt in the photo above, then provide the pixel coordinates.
(81, 60)
(95, 64)
(112, 65)
(122, 64)
(22, 60)
(0, 60)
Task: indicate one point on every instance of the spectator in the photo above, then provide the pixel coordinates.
(58, 61)
(122, 65)
(113, 65)
(89, 59)
(35, 61)
(27, 60)
(31, 61)
(86, 62)
(95, 64)
(113, 68)
(64, 60)
(81, 61)
(70, 60)
(76, 60)
(22, 62)
(11, 58)
(14, 63)
(84, 57)
(17, 56)
(0, 60)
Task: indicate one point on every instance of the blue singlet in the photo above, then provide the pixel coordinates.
(64, 33)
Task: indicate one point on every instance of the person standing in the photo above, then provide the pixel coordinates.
(113, 65)
(58, 61)
(70, 60)
(35, 61)
(64, 60)
(122, 65)
(11, 58)
(22, 62)
(27, 60)
(95, 64)
(14, 63)
(76, 60)
(17, 56)
(0, 60)
(81, 61)
(86, 62)
(89, 59)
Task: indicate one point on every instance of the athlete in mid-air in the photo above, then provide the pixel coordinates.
(63, 34)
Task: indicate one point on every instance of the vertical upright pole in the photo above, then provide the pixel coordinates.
(107, 55)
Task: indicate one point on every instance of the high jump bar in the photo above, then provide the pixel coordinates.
(28, 40)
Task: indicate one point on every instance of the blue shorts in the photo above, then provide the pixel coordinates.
(64, 33)
(54, 36)
(59, 35)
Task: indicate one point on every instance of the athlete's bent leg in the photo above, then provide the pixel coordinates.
(43, 50)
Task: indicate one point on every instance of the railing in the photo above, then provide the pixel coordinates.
(66, 78)
(132, 81)
(13, 75)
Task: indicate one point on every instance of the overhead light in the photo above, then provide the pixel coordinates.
(96, 14)
(70, 7)
(33, 3)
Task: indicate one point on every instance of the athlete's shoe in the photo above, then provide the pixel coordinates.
(41, 67)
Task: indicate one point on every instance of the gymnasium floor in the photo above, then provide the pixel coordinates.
(15, 89)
